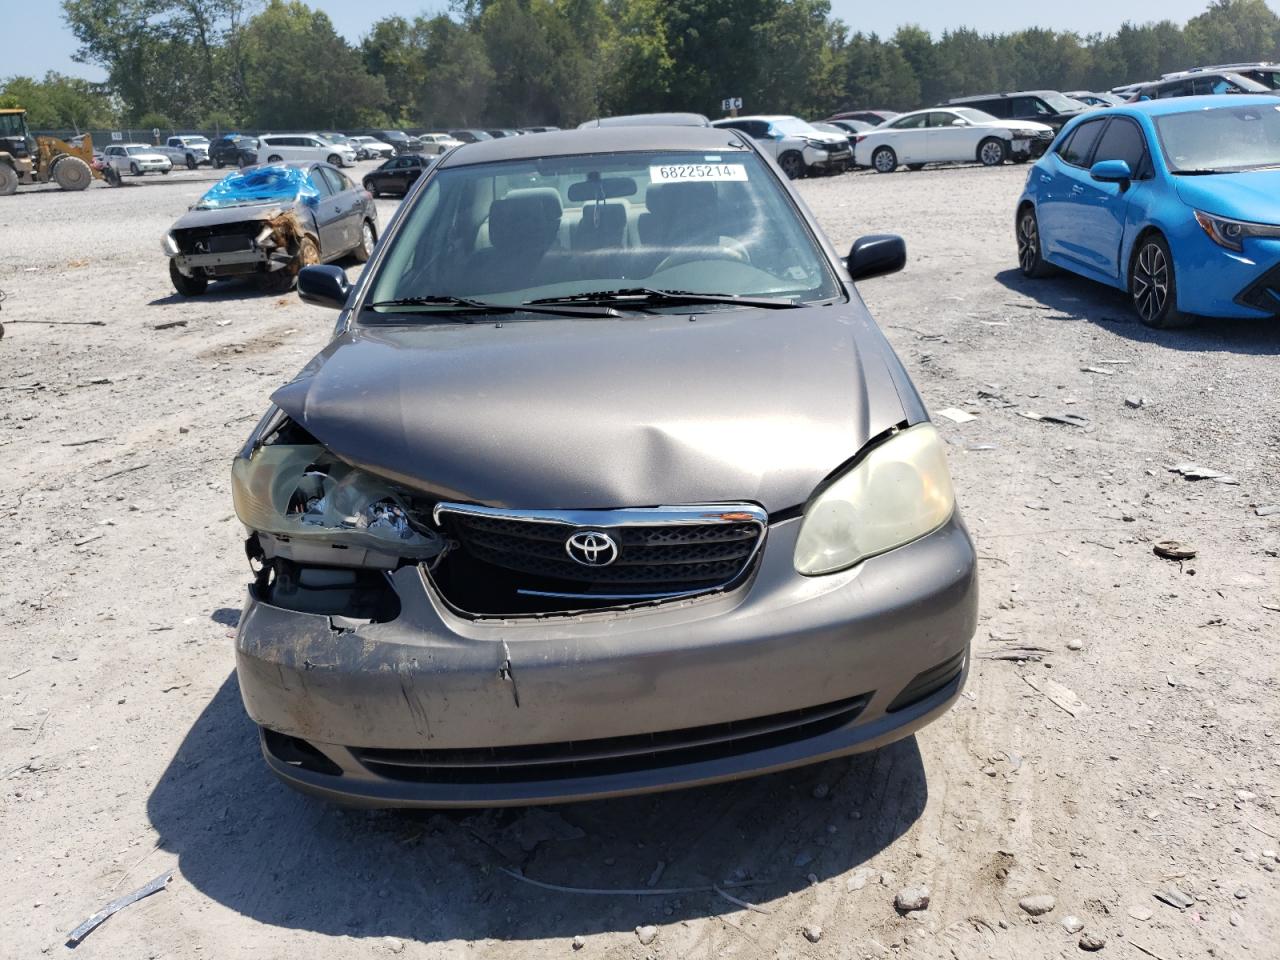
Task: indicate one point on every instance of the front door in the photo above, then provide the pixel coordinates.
(1061, 185)
(1102, 208)
(329, 215)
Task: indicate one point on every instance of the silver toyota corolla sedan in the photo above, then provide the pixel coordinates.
(606, 483)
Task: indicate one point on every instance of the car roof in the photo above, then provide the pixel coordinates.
(768, 117)
(1170, 105)
(956, 101)
(565, 143)
(649, 119)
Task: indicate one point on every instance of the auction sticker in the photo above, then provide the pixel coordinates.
(694, 172)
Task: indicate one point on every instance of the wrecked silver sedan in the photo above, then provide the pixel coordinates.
(267, 223)
(607, 483)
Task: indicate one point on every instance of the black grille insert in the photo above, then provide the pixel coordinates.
(613, 755)
(649, 556)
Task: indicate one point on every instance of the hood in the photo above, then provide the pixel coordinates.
(823, 137)
(757, 405)
(1017, 125)
(1253, 196)
(214, 217)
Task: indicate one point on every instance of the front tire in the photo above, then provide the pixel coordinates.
(333, 160)
(884, 160)
(792, 165)
(1030, 253)
(191, 162)
(274, 158)
(217, 164)
(133, 168)
(72, 173)
(992, 152)
(372, 187)
(187, 286)
(1153, 287)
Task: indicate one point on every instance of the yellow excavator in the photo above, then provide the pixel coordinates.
(25, 159)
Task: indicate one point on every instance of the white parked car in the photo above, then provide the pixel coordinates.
(950, 135)
(798, 147)
(375, 148)
(136, 159)
(303, 147)
(190, 150)
(438, 143)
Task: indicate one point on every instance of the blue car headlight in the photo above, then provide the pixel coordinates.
(1231, 234)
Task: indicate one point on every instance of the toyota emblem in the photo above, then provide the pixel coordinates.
(591, 548)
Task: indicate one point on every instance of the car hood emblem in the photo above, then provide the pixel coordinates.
(591, 548)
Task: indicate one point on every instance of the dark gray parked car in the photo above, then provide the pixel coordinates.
(606, 483)
(269, 222)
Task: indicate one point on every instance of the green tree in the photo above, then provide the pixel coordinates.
(58, 102)
(1234, 31)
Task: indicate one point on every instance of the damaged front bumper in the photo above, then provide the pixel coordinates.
(431, 708)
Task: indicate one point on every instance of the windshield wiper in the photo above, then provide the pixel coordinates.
(469, 306)
(1198, 172)
(643, 296)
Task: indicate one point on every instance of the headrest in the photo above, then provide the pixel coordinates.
(669, 199)
(525, 220)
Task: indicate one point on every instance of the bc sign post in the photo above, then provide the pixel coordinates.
(731, 105)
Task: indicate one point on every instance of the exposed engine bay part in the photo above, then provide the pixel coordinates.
(349, 597)
(309, 507)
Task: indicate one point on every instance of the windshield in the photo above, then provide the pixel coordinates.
(269, 184)
(1060, 103)
(794, 126)
(11, 125)
(516, 231)
(1222, 139)
(196, 141)
(974, 116)
(138, 151)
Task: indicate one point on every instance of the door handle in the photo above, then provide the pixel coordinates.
(1045, 178)
(1077, 189)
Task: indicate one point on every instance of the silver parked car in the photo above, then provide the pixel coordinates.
(607, 483)
(798, 146)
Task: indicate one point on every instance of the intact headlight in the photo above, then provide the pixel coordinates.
(899, 492)
(303, 492)
(1229, 233)
(169, 245)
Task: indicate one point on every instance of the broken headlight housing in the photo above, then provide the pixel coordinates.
(307, 505)
(898, 492)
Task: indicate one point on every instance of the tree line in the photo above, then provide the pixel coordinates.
(206, 64)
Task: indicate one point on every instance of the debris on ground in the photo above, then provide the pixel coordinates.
(1271, 510)
(1038, 904)
(1092, 942)
(1068, 419)
(910, 899)
(812, 933)
(1193, 471)
(1174, 898)
(169, 324)
(647, 934)
(115, 906)
(1140, 913)
(1135, 403)
(956, 415)
(1174, 550)
(1058, 694)
(579, 943)
(858, 880)
(1097, 370)
(1072, 924)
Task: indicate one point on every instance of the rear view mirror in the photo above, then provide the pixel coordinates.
(876, 255)
(323, 286)
(590, 189)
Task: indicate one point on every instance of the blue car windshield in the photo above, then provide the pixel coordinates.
(1221, 139)
(269, 184)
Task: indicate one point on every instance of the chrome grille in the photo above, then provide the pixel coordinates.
(667, 551)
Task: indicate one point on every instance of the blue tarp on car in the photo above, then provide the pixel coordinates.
(269, 184)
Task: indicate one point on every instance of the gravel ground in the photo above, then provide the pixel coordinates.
(126, 753)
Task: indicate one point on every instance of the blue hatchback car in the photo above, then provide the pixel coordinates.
(1176, 201)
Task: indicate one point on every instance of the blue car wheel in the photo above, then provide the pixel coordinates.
(1153, 286)
(1030, 261)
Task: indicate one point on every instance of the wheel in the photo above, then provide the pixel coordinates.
(792, 165)
(992, 152)
(8, 180)
(1021, 158)
(282, 281)
(1153, 286)
(217, 164)
(72, 173)
(191, 162)
(333, 160)
(166, 171)
(367, 241)
(371, 186)
(187, 286)
(884, 160)
(111, 175)
(1030, 261)
(242, 161)
(913, 167)
(274, 158)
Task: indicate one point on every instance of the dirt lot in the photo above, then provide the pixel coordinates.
(125, 750)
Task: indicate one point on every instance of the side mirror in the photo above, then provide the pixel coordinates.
(958, 122)
(1111, 171)
(323, 286)
(877, 255)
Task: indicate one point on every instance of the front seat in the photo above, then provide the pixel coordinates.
(524, 226)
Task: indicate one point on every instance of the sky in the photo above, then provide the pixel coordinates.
(44, 43)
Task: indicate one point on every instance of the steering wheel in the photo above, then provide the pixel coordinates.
(728, 249)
